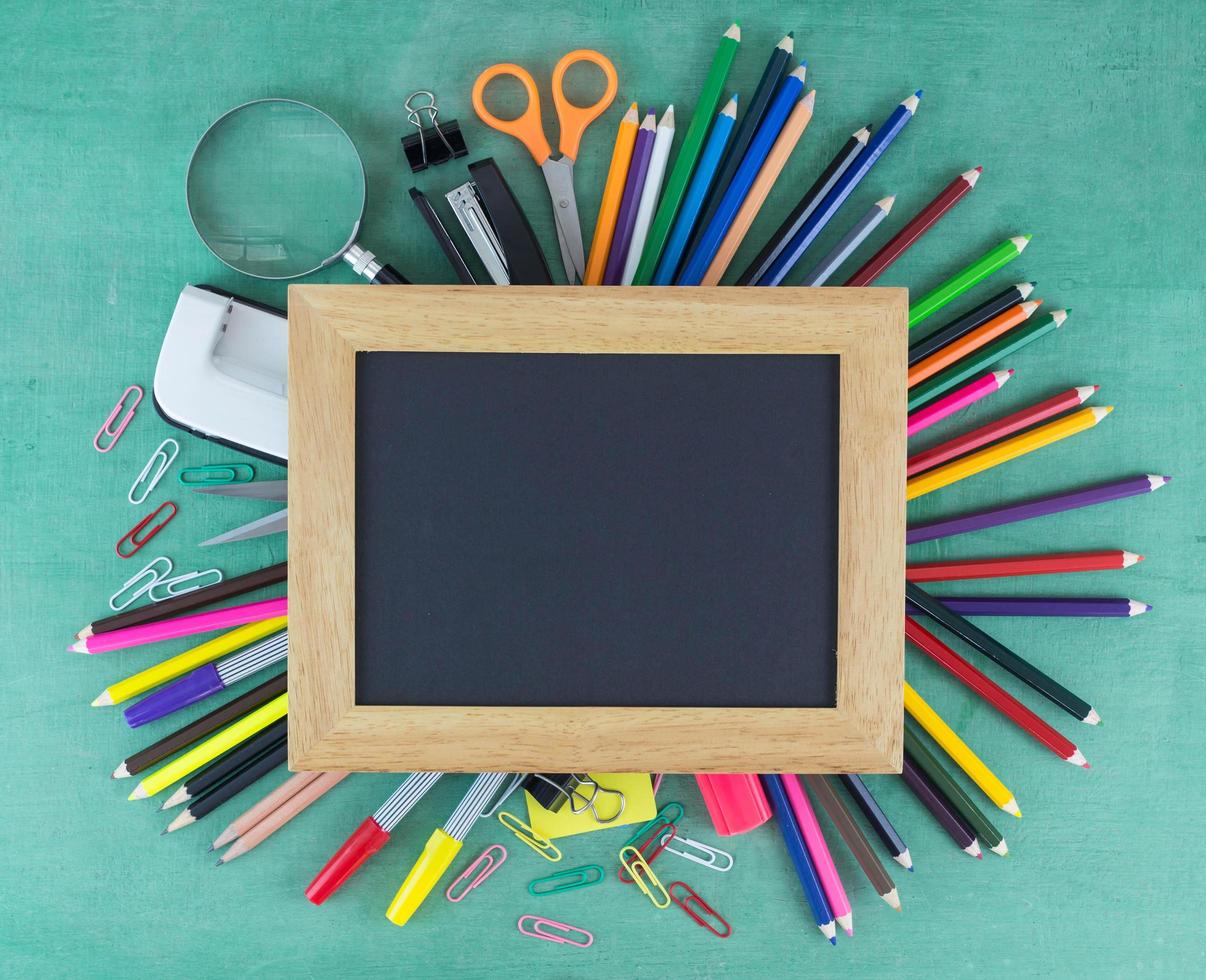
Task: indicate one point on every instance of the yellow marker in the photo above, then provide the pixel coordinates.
(1004, 451)
(212, 747)
(613, 192)
(182, 663)
(957, 749)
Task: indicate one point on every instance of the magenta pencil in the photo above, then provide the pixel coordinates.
(818, 850)
(171, 629)
(958, 400)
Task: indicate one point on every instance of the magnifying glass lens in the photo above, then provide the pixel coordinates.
(276, 189)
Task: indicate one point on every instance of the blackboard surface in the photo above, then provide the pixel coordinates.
(596, 530)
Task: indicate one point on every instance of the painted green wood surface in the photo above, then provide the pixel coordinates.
(1087, 120)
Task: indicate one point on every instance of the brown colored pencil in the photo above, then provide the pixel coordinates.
(854, 839)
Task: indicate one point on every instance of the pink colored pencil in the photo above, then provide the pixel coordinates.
(249, 818)
(1000, 428)
(282, 815)
(957, 400)
(171, 629)
(818, 850)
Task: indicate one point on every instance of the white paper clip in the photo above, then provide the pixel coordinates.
(146, 481)
(140, 583)
(693, 850)
(169, 588)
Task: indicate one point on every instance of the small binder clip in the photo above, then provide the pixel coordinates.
(568, 880)
(561, 933)
(691, 902)
(215, 475)
(140, 534)
(693, 850)
(115, 434)
(541, 845)
(169, 588)
(437, 142)
(140, 583)
(640, 872)
(492, 864)
(152, 473)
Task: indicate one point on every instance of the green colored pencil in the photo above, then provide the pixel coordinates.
(940, 777)
(979, 361)
(961, 282)
(684, 166)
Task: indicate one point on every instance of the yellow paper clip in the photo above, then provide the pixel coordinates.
(646, 880)
(541, 845)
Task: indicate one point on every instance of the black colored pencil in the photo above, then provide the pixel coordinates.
(227, 763)
(878, 819)
(969, 321)
(940, 807)
(230, 788)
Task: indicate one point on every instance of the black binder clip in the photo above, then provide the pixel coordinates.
(434, 144)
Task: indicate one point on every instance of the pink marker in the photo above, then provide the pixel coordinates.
(171, 629)
(818, 850)
(957, 400)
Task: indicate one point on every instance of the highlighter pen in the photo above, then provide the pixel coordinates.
(798, 851)
(442, 847)
(370, 836)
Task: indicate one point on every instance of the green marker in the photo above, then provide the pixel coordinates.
(984, 358)
(957, 285)
(684, 165)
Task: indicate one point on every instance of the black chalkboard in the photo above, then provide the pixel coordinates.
(596, 530)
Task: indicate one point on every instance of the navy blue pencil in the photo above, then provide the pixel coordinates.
(878, 819)
(798, 851)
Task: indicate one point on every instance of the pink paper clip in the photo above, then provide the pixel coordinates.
(566, 935)
(114, 435)
(492, 865)
(135, 536)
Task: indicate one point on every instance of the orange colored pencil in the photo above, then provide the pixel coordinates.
(956, 350)
(613, 192)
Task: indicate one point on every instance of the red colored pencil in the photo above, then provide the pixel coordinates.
(957, 400)
(993, 693)
(917, 226)
(999, 429)
(1068, 561)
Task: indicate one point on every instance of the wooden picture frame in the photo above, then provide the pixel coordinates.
(328, 325)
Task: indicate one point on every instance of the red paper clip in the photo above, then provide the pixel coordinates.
(133, 536)
(692, 898)
(663, 827)
(115, 434)
(477, 872)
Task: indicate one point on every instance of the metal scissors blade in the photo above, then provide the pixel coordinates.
(269, 524)
(257, 490)
(559, 175)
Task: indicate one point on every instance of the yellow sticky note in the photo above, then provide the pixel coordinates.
(639, 806)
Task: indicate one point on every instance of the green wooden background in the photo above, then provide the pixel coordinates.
(1087, 120)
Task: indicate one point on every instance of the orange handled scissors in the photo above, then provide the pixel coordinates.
(529, 130)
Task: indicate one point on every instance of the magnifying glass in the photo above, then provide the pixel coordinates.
(276, 190)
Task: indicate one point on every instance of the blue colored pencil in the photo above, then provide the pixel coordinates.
(790, 90)
(816, 223)
(798, 851)
(697, 192)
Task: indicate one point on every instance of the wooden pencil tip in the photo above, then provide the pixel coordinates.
(121, 772)
(80, 646)
(972, 176)
(102, 699)
(668, 117)
(788, 43)
(863, 134)
(1021, 241)
(730, 107)
(734, 31)
(138, 794)
(885, 203)
(800, 71)
(811, 98)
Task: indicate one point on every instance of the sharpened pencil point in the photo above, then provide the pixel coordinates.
(80, 646)
(209, 849)
(788, 43)
(904, 859)
(846, 922)
(218, 863)
(1092, 718)
(892, 898)
(973, 175)
(730, 107)
(1001, 848)
(800, 71)
(810, 99)
(734, 31)
(102, 699)
(1011, 806)
(121, 772)
(833, 940)
(138, 794)
(165, 830)
(1077, 758)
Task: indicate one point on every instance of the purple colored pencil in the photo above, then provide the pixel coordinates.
(933, 800)
(638, 168)
(1039, 507)
(1038, 606)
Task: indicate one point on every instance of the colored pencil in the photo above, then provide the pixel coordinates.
(269, 824)
(688, 156)
(212, 747)
(756, 110)
(854, 839)
(1055, 503)
(963, 280)
(1017, 293)
(1001, 655)
(1014, 565)
(171, 629)
(226, 589)
(992, 693)
(182, 738)
(849, 242)
(227, 763)
(266, 805)
(708, 239)
(972, 341)
(985, 358)
(984, 829)
(967, 760)
(818, 850)
(999, 429)
(914, 228)
(701, 180)
(1004, 451)
(850, 151)
(808, 232)
(776, 160)
(957, 400)
(231, 787)
(878, 819)
(1096, 607)
(662, 141)
(634, 184)
(190, 659)
(613, 193)
(793, 838)
(937, 804)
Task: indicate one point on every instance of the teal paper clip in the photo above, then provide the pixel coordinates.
(216, 475)
(567, 881)
(660, 817)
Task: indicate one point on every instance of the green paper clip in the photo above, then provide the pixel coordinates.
(568, 880)
(216, 475)
(659, 817)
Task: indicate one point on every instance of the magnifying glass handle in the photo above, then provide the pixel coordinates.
(365, 263)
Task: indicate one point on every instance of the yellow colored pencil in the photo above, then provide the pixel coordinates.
(182, 663)
(1004, 451)
(957, 749)
(212, 747)
(613, 192)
